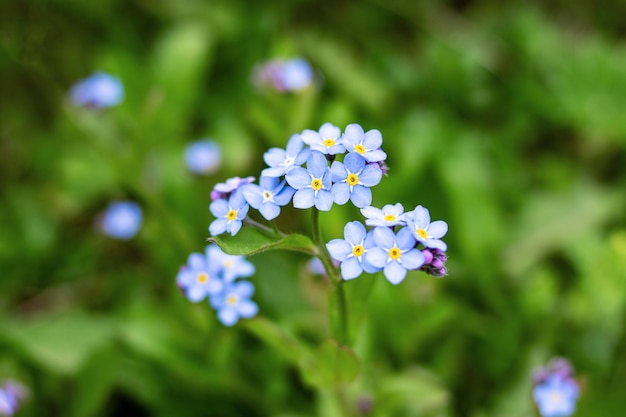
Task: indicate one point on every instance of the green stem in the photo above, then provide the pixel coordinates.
(339, 310)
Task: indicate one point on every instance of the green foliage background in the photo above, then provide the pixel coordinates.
(503, 118)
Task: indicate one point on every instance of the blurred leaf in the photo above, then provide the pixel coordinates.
(93, 384)
(287, 345)
(250, 241)
(331, 364)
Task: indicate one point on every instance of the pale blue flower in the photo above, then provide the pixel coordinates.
(394, 253)
(12, 395)
(229, 214)
(234, 303)
(296, 75)
(327, 140)
(229, 267)
(268, 196)
(100, 90)
(121, 219)
(427, 233)
(313, 184)
(350, 250)
(281, 161)
(365, 144)
(389, 215)
(203, 157)
(556, 396)
(200, 277)
(353, 179)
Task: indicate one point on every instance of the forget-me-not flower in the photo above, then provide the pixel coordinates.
(268, 196)
(352, 180)
(556, 396)
(200, 277)
(229, 267)
(394, 253)
(121, 219)
(365, 144)
(389, 215)
(234, 303)
(223, 190)
(281, 161)
(229, 214)
(203, 157)
(296, 74)
(327, 140)
(313, 184)
(12, 395)
(350, 250)
(427, 233)
(99, 90)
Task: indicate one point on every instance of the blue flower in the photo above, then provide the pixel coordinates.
(350, 251)
(327, 140)
(12, 395)
(121, 220)
(296, 74)
(203, 157)
(352, 180)
(427, 233)
(282, 161)
(365, 144)
(100, 90)
(229, 267)
(269, 196)
(394, 253)
(223, 190)
(389, 215)
(229, 214)
(556, 396)
(234, 303)
(313, 184)
(200, 277)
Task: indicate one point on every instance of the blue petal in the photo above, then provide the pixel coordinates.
(437, 229)
(252, 194)
(302, 156)
(269, 210)
(370, 176)
(375, 155)
(317, 164)
(284, 196)
(298, 178)
(242, 212)
(338, 172)
(368, 267)
(353, 135)
(421, 217)
(196, 262)
(394, 272)
(354, 163)
(361, 196)
(329, 131)
(351, 268)
(228, 316)
(339, 249)
(435, 244)
(405, 239)
(276, 171)
(341, 193)
(304, 198)
(233, 227)
(247, 309)
(412, 259)
(376, 257)
(373, 139)
(237, 200)
(294, 145)
(354, 232)
(244, 289)
(185, 277)
(218, 226)
(384, 237)
(219, 208)
(268, 183)
(324, 200)
(309, 136)
(196, 293)
(214, 286)
(274, 157)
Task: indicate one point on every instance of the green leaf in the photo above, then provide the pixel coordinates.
(288, 346)
(94, 383)
(250, 241)
(331, 364)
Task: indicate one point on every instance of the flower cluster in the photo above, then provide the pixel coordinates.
(215, 275)
(283, 75)
(556, 391)
(12, 396)
(397, 242)
(306, 172)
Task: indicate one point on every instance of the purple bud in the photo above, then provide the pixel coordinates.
(428, 256)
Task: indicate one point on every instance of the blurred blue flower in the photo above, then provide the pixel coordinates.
(200, 277)
(313, 184)
(12, 395)
(268, 196)
(427, 233)
(234, 303)
(281, 161)
(100, 90)
(229, 214)
(389, 215)
(352, 180)
(229, 267)
(350, 250)
(223, 190)
(365, 144)
(327, 140)
(556, 396)
(121, 219)
(203, 157)
(283, 75)
(394, 253)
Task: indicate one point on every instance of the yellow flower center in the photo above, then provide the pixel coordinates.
(329, 142)
(316, 184)
(389, 217)
(228, 264)
(231, 299)
(359, 149)
(267, 196)
(352, 179)
(288, 161)
(231, 215)
(202, 278)
(358, 250)
(394, 253)
(421, 233)
(555, 397)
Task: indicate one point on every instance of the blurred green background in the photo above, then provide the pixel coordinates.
(503, 118)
